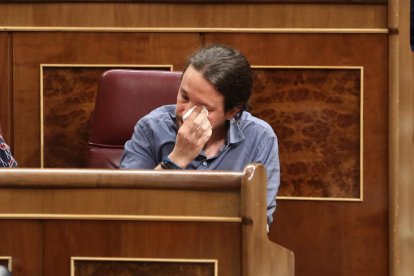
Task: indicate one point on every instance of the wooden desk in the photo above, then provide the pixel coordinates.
(81, 222)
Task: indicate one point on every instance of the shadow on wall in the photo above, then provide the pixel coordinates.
(412, 25)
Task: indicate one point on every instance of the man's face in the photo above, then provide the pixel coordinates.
(197, 91)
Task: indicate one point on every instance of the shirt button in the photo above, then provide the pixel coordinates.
(205, 163)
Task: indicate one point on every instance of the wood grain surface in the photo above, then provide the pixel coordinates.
(316, 115)
(193, 15)
(337, 238)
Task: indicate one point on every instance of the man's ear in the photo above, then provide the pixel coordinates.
(232, 112)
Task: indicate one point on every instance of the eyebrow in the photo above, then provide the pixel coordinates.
(183, 91)
(208, 106)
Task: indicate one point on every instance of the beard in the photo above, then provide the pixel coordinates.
(178, 121)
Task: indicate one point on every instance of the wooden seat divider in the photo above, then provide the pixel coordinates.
(115, 222)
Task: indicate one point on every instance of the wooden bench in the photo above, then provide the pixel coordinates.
(83, 221)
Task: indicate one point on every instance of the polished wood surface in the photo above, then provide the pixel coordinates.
(194, 15)
(5, 95)
(156, 240)
(121, 266)
(394, 150)
(401, 144)
(118, 179)
(335, 223)
(202, 1)
(28, 193)
(258, 255)
(109, 213)
(22, 241)
(316, 113)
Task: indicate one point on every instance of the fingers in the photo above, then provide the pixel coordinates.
(196, 124)
(200, 121)
(206, 134)
(192, 113)
(195, 117)
(200, 125)
(192, 136)
(204, 129)
(188, 113)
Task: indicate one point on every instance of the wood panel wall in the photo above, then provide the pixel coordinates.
(327, 237)
(130, 15)
(324, 228)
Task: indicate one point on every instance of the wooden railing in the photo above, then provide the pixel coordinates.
(96, 221)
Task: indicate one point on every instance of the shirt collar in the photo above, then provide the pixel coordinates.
(235, 134)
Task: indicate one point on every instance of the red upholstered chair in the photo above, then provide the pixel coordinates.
(124, 96)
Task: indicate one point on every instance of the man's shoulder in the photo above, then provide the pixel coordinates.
(249, 122)
(164, 114)
(165, 110)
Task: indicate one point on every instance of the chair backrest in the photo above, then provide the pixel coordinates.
(125, 96)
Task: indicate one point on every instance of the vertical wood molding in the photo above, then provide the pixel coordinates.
(5, 87)
(393, 138)
(401, 112)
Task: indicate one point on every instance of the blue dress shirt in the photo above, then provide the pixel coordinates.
(249, 140)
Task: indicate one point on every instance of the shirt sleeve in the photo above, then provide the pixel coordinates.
(6, 158)
(268, 154)
(138, 152)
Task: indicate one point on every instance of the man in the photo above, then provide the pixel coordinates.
(219, 134)
(6, 158)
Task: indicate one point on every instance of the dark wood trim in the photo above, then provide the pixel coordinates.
(376, 2)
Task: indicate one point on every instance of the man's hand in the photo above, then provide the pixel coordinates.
(194, 133)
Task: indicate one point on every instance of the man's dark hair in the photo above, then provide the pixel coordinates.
(227, 70)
